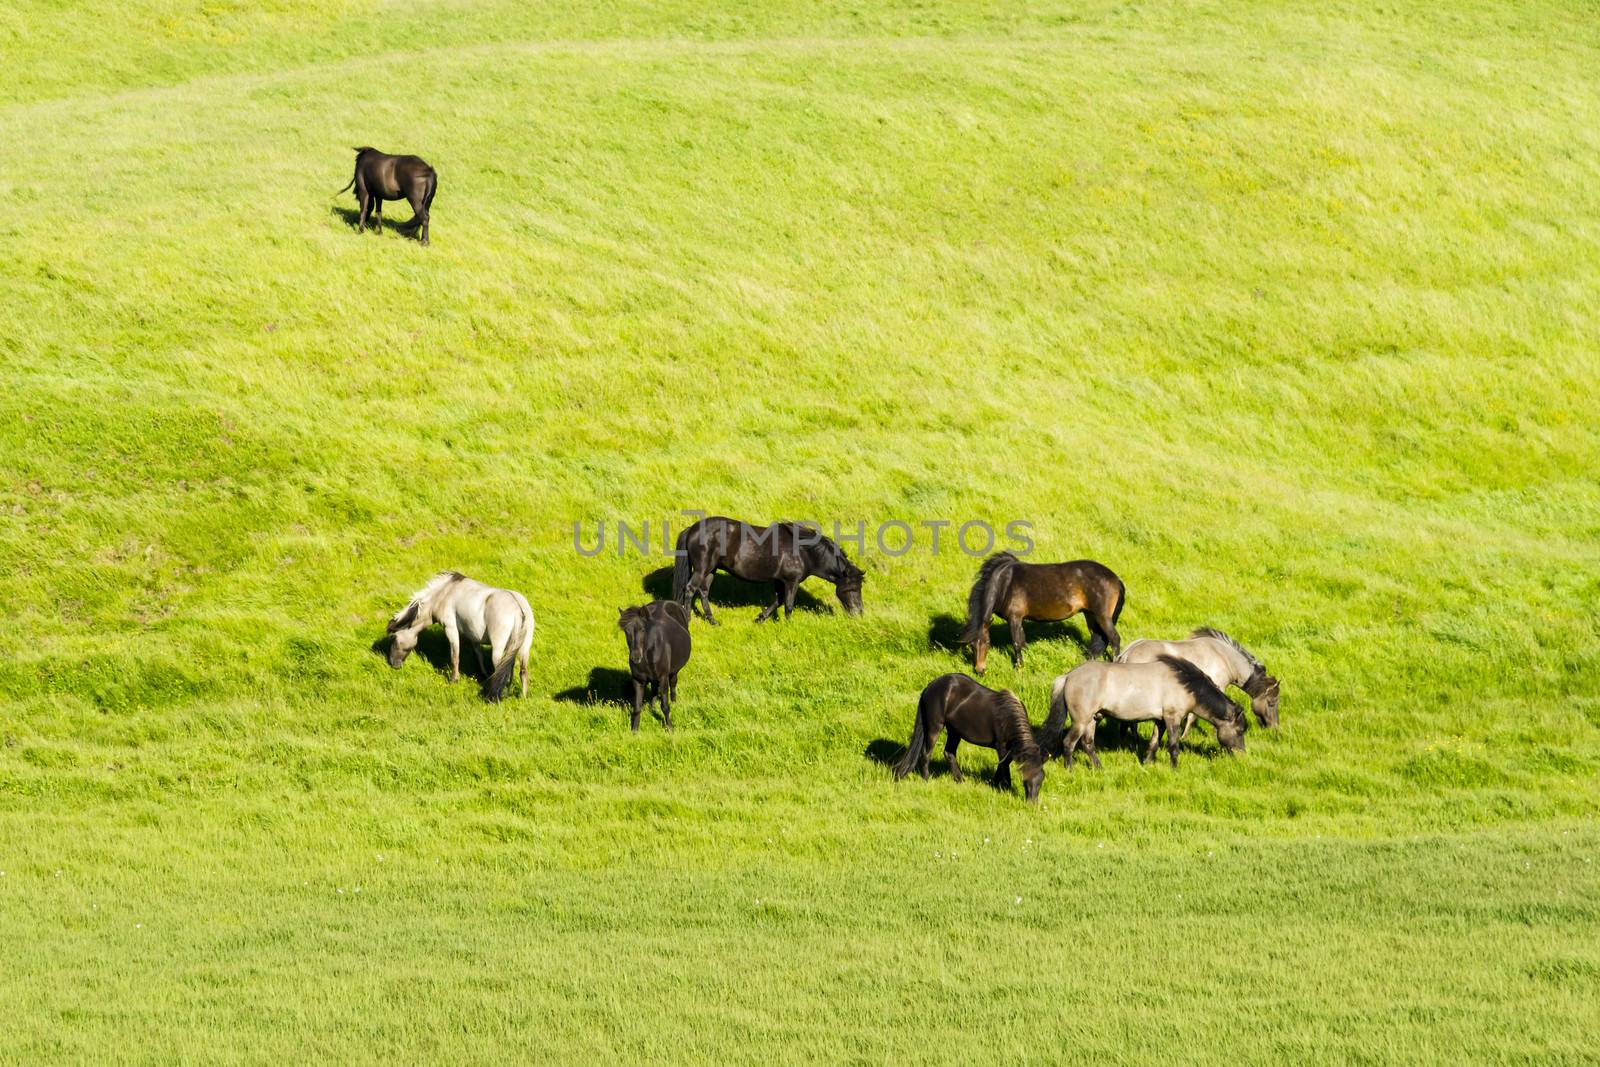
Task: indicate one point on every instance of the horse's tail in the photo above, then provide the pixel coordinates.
(1056, 724)
(994, 582)
(433, 187)
(503, 670)
(347, 185)
(1122, 596)
(916, 746)
(681, 569)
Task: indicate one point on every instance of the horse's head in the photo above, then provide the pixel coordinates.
(1032, 779)
(1264, 701)
(404, 635)
(848, 586)
(1230, 731)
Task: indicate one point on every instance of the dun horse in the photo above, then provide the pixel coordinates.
(785, 554)
(1045, 591)
(658, 647)
(981, 716)
(1225, 661)
(1162, 692)
(480, 613)
(380, 176)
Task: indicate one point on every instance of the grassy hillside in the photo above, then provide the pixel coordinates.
(1285, 312)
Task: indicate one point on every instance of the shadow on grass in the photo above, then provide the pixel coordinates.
(606, 686)
(434, 649)
(944, 632)
(728, 591)
(351, 216)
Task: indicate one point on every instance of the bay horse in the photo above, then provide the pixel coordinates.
(658, 648)
(480, 613)
(785, 554)
(1048, 592)
(380, 176)
(1225, 661)
(1162, 692)
(981, 716)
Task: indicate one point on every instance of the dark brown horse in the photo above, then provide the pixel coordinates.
(380, 176)
(981, 716)
(658, 647)
(785, 554)
(1015, 590)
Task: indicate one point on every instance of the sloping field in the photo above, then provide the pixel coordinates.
(1285, 312)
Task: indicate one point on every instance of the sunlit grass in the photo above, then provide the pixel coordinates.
(1286, 314)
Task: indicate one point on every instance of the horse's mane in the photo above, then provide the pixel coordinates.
(1202, 689)
(1208, 631)
(403, 617)
(826, 553)
(1027, 740)
(1259, 675)
(976, 616)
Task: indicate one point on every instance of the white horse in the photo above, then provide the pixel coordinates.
(481, 613)
(1162, 692)
(1225, 661)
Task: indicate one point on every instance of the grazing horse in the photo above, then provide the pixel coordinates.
(1015, 590)
(982, 716)
(658, 647)
(380, 176)
(481, 613)
(1225, 661)
(1162, 692)
(785, 554)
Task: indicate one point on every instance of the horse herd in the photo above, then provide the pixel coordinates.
(1167, 683)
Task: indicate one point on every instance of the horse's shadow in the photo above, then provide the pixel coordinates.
(887, 753)
(606, 685)
(434, 649)
(352, 216)
(728, 591)
(944, 631)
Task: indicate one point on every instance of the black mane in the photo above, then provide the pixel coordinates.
(1202, 688)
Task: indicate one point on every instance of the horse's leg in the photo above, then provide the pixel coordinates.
(663, 694)
(789, 590)
(477, 650)
(1088, 745)
(455, 652)
(772, 609)
(1097, 638)
(1155, 741)
(364, 202)
(702, 587)
(1172, 724)
(1188, 724)
(1069, 743)
(377, 212)
(951, 743)
(1105, 632)
(638, 702)
(927, 751)
(1019, 640)
(1002, 773)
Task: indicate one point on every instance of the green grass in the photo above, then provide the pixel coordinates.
(1285, 312)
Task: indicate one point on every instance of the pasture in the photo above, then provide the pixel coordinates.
(1286, 312)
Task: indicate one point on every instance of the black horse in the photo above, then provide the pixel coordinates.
(982, 716)
(658, 647)
(380, 176)
(785, 554)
